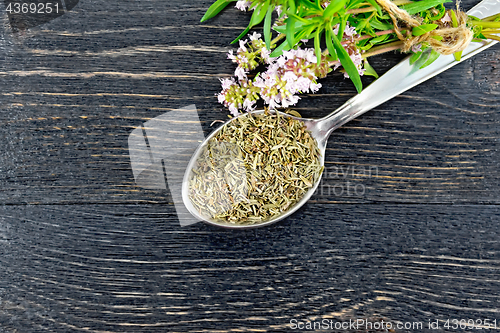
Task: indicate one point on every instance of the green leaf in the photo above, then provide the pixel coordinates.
(375, 23)
(354, 4)
(420, 6)
(440, 15)
(342, 24)
(414, 57)
(347, 63)
(454, 20)
(282, 28)
(457, 55)
(379, 39)
(215, 9)
(290, 30)
(492, 25)
(267, 27)
(421, 60)
(317, 45)
(329, 45)
(311, 5)
(258, 15)
(290, 23)
(423, 29)
(279, 50)
(333, 7)
(432, 57)
(369, 69)
(309, 32)
(375, 4)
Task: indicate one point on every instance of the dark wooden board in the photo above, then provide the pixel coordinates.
(73, 90)
(404, 227)
(130, 268)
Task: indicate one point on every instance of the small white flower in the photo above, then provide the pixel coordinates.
(227, 83)
(349, 31)
(302, 84)
(221, 98)
(291, 100)
(336, 29)
(249, 105)
(289, 76)
(315, 87)
(278, 10)
(231, 56)
(240, 73)
(273, 104)
(234, 110)
(243, 5)
(301, 53)
(281, 61)
(255, 36)
(311, 56)
(242, 46)
(446, 18)
(258, 81)
(243, 60)
(272, 70)
(356, 58)
(265, 55)
(417, 47)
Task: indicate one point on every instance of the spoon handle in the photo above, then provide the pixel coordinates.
(400, 78)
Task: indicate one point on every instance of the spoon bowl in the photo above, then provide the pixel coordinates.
(310, 124)
(397, 80)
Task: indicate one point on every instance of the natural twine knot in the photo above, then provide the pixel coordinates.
(444, 40)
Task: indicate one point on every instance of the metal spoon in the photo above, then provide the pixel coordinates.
(397, 80)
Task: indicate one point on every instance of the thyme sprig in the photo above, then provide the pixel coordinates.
(343, 33)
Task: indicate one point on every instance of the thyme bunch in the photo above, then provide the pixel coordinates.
(342, 33)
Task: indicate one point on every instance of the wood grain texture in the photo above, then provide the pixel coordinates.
(73, 90)
(129, 268)
(404, 225)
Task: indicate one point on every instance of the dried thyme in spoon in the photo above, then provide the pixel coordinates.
(254, 169)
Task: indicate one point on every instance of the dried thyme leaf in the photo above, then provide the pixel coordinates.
(255, 169)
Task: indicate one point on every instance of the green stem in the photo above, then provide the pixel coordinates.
(373, 9)
(490, 36)
(380, 33)
(383, 49)
(491, 18)
(277, 39)
(486, 24)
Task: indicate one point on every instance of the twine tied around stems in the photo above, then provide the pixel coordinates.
(443, 39)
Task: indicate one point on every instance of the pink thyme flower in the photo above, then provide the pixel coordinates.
(238, 96)
(291, 73)
(250, 53)
(417, 48)
(255, 36)
(240, 73)
(446, 18)
(243, 5)
(278, 10)
(349, 31)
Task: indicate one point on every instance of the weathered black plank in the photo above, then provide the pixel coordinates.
(73, 89)
(404, 226)
(109, 268)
